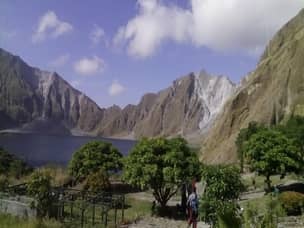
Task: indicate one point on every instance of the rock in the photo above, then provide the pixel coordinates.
(269, 95)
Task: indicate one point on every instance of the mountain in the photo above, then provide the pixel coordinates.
(40, 101)
(36, 100)
(187, 108)
(270, 94)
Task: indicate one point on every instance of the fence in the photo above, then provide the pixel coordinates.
(73, 207)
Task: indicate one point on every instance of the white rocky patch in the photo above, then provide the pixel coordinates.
(212, 92)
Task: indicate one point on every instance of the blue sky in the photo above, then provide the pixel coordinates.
(116, 50)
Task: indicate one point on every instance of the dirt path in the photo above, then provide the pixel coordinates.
(145, 196)
(153, 222)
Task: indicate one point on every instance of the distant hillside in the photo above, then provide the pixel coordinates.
(270, 94)
(186, 108)
(37, 100)
(40, 101)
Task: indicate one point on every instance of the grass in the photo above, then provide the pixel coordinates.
(9, 221)
(275, 180)
(135, 209)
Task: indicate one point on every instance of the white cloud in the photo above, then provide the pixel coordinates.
(221, 25)
(97, 35)
(89, 66)
(49, 25)
(60, 60)
(116, 88)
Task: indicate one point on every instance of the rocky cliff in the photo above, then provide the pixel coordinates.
(36, 100)
(270, 94)
(187, 108)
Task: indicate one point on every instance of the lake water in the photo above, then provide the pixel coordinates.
(39, 149)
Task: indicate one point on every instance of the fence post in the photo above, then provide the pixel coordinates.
(93, 218)
(115, 214)
(82, 214)
(123, 208)
(106, 219)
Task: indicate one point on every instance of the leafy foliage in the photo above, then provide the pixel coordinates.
(10, 165)
(293, 202)
(92, 157)
(263, 215)
(223, 188)
(161, 164)
(269, 152)
(223, 182)
(294, 129)
(3, 182)
(39, 187)
(98, 182)
(243, 136)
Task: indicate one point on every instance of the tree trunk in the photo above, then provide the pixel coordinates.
(183, 199)
(268, 183)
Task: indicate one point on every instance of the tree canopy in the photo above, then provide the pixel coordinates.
(223, 188)
(294, 129)
(162, 165)
(270, 152)
(92, 157)
(39, 186)
(243, 136)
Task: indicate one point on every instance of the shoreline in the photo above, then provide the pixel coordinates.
(20, 131)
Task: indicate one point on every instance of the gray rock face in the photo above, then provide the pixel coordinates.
(36, 100)
(270, 94)
(186, 108)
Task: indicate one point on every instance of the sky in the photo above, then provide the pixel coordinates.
(117, 50)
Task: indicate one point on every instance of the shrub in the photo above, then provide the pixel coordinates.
(39, 187)
(98, 182)
(293, 202)
(59, 175)
(229, 215)
(11, 165)
(223, 188)
(3, 182)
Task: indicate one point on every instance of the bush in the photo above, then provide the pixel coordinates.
(3, 182)
(11, 165)
(264, 214)
(98, 182)
(223, 188)
(229, 215)
(59, 175)
(39, 187)
(293, 202)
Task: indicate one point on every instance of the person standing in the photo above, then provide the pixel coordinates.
(192, 203)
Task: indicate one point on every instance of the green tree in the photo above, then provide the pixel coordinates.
(92, 157)
(162, 165)
(11, 165)
(223, 188)
(243, 136)
(270, 152)
(294, 129)
(38, 187)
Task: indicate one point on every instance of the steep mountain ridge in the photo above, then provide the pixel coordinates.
(186, 108)
(269, 95)
(35, 100)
